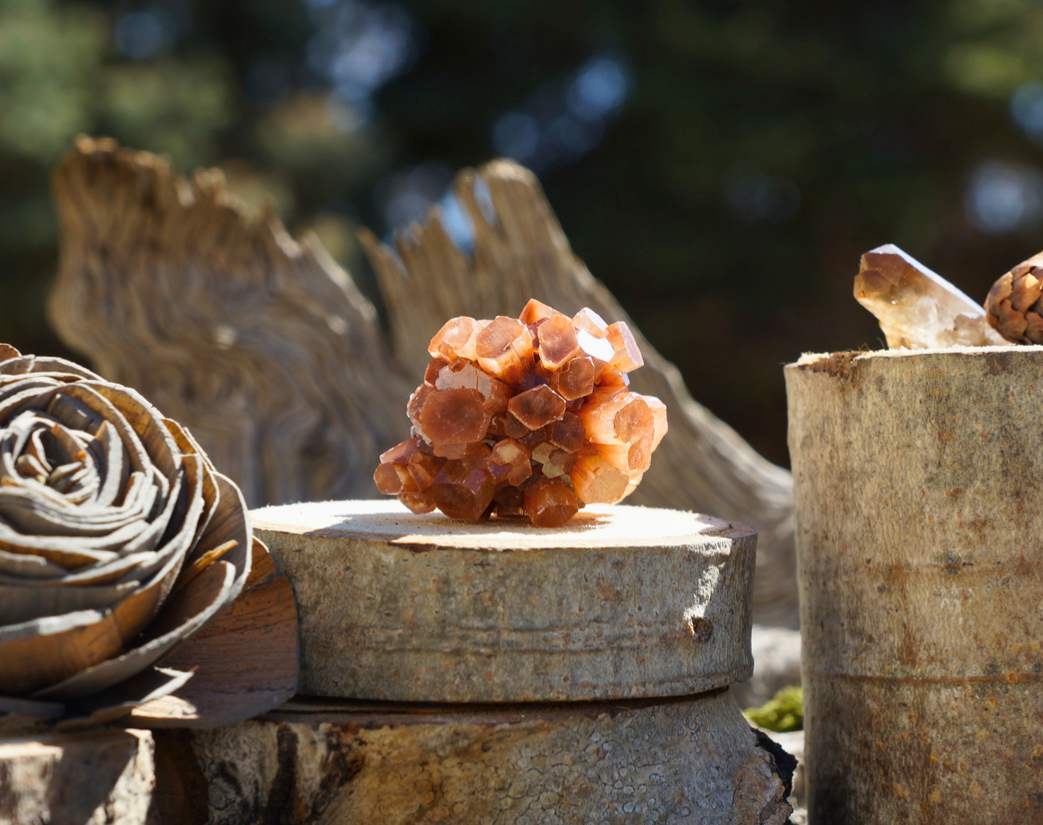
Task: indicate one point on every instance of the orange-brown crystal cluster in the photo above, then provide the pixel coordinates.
(527, 416)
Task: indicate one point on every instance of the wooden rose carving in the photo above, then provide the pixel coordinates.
(118, 540)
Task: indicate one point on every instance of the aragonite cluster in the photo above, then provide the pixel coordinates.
(527, 416)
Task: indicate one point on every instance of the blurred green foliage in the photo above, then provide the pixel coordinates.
(720, 165)
(783, 712)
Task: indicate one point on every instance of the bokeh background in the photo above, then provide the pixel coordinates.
(720, 165)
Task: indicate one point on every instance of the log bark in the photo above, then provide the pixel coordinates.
(621, 602)
(264, 348)
(93, 778)
(920, 539)
(693, 760)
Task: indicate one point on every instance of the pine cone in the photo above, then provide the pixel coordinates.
(118, 540)
(1014, 306)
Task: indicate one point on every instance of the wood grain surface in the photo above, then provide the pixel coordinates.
(921, 557)
(621, 602)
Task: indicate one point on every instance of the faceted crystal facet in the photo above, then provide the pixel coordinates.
(454, 335)
(550, 503)
(453, 417)
(535, 311)
(528, 417)
(575, 379)
(558, 342)
(627, 356)
(537, 407)
(587, 320)
(504, 348)
(917, 308)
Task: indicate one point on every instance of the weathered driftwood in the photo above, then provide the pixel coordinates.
(921, 541)
(260, 345)
(93, 778)
(263, 347)
(692, 760)
(621, 602)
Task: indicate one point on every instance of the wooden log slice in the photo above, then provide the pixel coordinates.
(621, 602)
(103, 776)
(920, 537)
(676, 761)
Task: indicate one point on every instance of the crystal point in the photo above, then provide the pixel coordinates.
(916, 307)
(453, 417)
(558, 342)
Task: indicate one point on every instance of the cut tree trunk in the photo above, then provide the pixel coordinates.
(691, 761)
(497, 636)
(265, 349)
(921, 570)
(621, 602)
(93, 778)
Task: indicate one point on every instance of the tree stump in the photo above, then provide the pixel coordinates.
(621, 602)
(262, 346)
(93, 778)
(691, 761)
(567, 675)
(920, 538)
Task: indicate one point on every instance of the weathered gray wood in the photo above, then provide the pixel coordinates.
(94, 778)
(920, 538)
(621, 602)
(263, 347)
(684, 761)
(258, 344)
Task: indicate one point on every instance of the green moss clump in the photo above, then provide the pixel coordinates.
(784, 712)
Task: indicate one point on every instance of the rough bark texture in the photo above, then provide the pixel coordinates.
(263, 347)
(260, 345)
(621, 602)
(920, 540)
(683, 761)
(89, 779)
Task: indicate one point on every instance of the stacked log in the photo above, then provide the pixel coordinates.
(481, 672)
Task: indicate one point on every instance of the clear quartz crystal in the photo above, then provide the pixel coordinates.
(916, 307)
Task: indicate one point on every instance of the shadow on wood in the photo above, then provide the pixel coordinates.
(264, 348)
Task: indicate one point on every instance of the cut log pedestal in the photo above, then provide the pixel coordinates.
(920, 542)
(91, 778)
(497, 672)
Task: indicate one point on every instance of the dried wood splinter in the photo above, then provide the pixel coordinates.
(527, 416)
